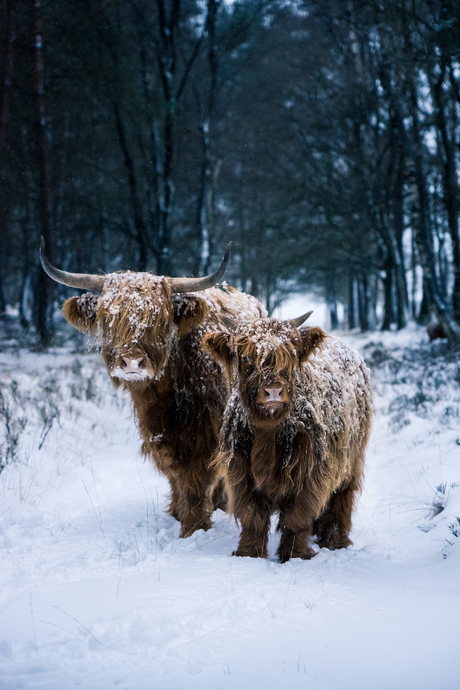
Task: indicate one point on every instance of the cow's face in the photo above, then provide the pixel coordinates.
(136, 319)
(263, 358)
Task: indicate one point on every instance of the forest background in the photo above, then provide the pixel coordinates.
(321, 136)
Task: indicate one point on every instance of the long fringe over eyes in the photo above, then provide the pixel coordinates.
(268, 356)
(131, 305)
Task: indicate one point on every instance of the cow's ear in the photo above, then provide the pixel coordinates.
(81, 312)
(311, 339)
(189, 311)
(218, 346)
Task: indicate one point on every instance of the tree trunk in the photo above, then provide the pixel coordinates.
(208, 167)
(424, 312)
(351, 301)
(333, 316)
(388, 315)
(139, 224)
(402, 299)
(451, 191)
(202, 219)
(423, 237)
(7, 72)
(363, 301)
(43, 294)
(331, 298)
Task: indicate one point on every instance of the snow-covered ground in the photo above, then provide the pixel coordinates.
(97, 590)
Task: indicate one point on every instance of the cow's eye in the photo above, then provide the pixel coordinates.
(246, 360)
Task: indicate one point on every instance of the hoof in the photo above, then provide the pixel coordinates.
(335, 543)
(305, 555)
(187, 530)
(246, 553)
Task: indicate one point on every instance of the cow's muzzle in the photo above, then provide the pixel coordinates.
(131, 369)
(133, 366)
(273, 395)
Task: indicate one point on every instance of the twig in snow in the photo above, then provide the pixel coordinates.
(46, 429)
(33, 621)
(210, 540)
(95, 491)
(120, 571)
(287, 589)
(66, 631)
(95, 512)
(146, 504)
(303, 662)
(76, 621)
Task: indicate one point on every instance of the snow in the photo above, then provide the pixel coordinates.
(140, 375)
(298, 304)
(97, 591)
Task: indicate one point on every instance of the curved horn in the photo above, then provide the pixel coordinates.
(300, 319)
(196, 284)
(83, 281)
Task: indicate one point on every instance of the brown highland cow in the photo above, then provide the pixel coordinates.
(150, 329)
(294, 433)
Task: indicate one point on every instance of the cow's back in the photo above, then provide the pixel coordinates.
(225, 300)
(334, 402)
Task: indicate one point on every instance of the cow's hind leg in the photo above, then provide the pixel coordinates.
(333, 526)
(219, 496)
(173, 508)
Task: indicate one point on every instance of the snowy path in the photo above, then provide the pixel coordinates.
(97, 591)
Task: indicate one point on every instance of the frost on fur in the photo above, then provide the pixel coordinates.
(294, 434)
(151, 344)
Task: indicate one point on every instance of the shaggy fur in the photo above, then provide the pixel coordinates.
(302, 457)
(179, 395)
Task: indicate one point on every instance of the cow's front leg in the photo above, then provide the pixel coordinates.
(253, 513)
(296, 527)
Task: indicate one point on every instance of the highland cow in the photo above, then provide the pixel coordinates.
(150, 329)
(294, 433)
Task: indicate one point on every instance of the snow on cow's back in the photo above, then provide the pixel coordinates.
(335, 387)
(336, 359)
(226, 300)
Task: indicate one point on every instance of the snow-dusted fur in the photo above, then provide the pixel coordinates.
(303, 457)
(178, 392)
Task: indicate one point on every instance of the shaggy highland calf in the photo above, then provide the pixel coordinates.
(294, 433)
(150, 329)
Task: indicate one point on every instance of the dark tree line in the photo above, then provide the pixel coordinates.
(322, 138)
